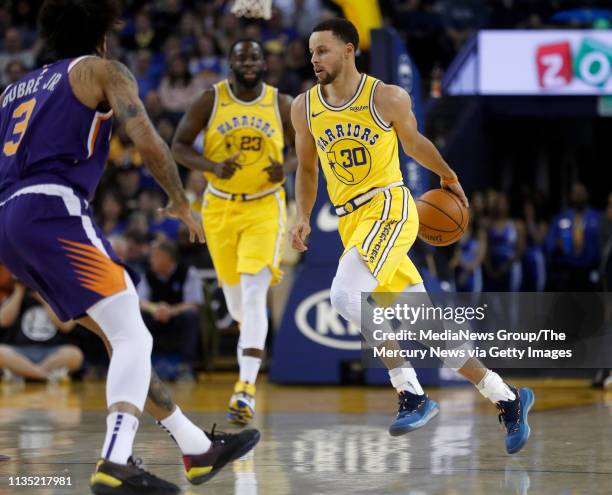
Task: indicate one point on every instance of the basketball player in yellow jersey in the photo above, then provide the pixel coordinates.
(352, 123)
(246, 124)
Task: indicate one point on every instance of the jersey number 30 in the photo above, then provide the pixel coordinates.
(23, 111)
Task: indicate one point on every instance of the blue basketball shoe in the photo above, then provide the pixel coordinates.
(513, 414)
(414, 411)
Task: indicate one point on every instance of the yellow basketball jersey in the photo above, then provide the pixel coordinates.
(253, 130)
(356, 148)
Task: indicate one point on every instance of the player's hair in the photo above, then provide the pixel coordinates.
(246, 40)
(342, 29)
(70, 28)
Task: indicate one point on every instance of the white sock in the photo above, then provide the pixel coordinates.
(494, 388)
(120, 432)
(249, 367)
(405, 379)
(190, 439)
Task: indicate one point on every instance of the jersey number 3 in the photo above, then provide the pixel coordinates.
(23, 112)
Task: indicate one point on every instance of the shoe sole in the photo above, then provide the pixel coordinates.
(402, 430)
(126, 490)
(526, 407)
(240, 416)
(198, 480)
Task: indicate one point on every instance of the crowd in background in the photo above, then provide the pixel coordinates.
(177, 48)
(522, 245)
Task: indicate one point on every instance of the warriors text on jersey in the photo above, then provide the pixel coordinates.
(358, 153)
(250, 130)
(357, 150)
(244, 228)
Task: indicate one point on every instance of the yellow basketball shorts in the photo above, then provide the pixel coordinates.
(245, 236)
(383, 231)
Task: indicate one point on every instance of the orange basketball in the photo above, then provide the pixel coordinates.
(442, 217)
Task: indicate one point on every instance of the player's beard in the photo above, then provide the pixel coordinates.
(330, 76)
(249, 84)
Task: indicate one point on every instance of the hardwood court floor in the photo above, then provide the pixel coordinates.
(324, 440)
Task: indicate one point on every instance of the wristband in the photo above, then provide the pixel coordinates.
(446, 182)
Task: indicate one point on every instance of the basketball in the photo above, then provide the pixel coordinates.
(442, 217)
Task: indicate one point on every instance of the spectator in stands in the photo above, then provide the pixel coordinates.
(206, 60)
(276, 75)
(301, 15)
(150, 202)
(505, 247)
(144, 72)
(228, 32)
(572, 244)
(137, 249)
(14, 50)
(112, 213)
(466, 263)
(178, 87)
(534, 262)
(171, 294)
(14, 70)
(36, 347)
(143, 34)
(189, 30)
(128, 185)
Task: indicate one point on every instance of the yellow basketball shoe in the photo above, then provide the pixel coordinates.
(242, 404)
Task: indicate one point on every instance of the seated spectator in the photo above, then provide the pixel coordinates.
(178, 87)
(13, 50)
(171, 294)
(572, 245)
(111, 218)
(14, 70)
(35, 346)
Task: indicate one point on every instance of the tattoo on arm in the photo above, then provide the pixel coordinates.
(159, 395)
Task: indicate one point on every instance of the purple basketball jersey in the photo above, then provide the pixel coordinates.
(48, 136)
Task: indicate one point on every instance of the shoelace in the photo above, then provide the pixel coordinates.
(510, 418)
(219, 436)
(409, 402)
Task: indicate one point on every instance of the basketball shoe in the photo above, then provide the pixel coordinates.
(414, 411)
(129, 479)
(513, 414)
(225, 448)
(242, 404)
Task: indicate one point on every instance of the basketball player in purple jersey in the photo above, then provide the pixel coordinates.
(55, 125)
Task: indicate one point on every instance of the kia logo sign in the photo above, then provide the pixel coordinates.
(327, 328)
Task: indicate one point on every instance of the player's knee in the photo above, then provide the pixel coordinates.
(341, 298)
(253, 296)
